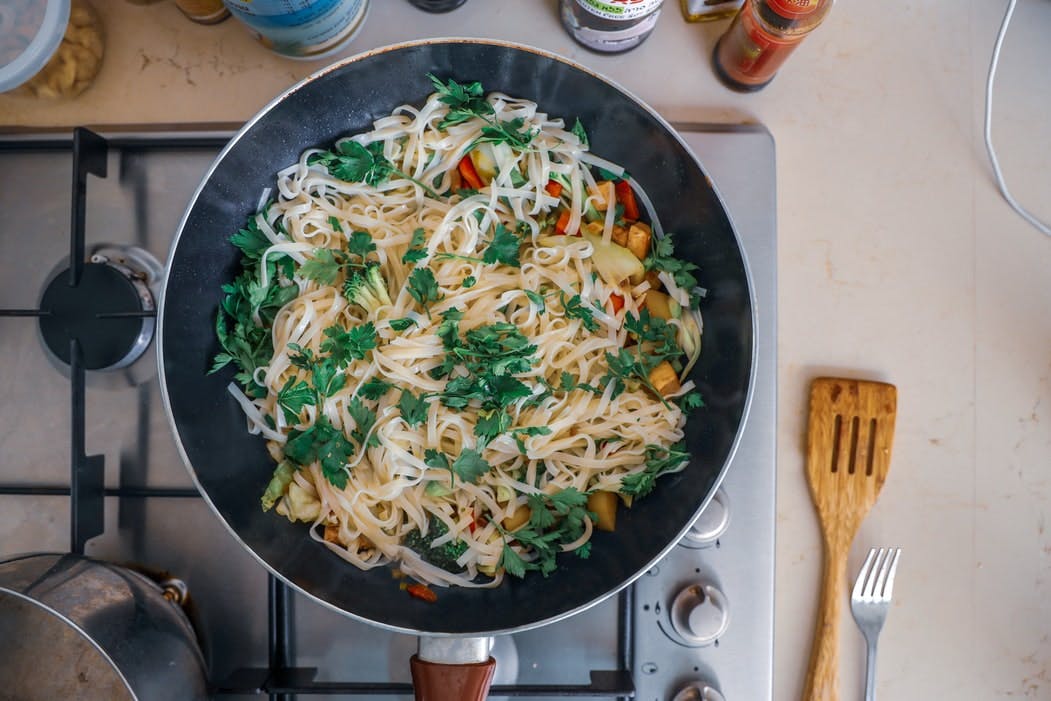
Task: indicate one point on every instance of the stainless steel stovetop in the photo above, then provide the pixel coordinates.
(697, 626)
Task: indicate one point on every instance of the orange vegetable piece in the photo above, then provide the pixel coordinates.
(422, 591)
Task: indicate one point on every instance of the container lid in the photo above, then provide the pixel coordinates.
(30, 32)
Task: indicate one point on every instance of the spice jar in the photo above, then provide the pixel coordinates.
(610, 26)
(49, 49)
(762, 36)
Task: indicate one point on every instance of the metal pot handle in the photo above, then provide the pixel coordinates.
(452, 669)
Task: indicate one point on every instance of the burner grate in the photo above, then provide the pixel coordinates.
(281, 680)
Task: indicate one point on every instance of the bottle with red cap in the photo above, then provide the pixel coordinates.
(763, 34)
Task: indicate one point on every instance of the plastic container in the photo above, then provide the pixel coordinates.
(49, 49)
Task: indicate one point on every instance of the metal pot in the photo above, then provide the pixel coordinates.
(74, 628)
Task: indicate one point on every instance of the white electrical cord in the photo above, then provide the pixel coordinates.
(1022, 211)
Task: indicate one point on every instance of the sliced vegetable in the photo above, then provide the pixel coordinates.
(278, 484)
(604, 506)
(664, 379)
(553, 188)
(616, 301)
(563, 222)
(662, 306)
(299, 505)
(603, 194)
(422, 592)
(626, 197)
(615, 263)
(639, 236)
(517, 519)
(620, 235)
(469, 174)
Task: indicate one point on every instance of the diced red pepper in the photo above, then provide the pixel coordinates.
(469, 174)
(617, 301)
(554, 188)
(626, 197)
(563, 222)
(422, 591)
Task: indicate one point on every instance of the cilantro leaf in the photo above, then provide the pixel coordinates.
(503, 248)
(512, 562)
(292, 397)
(537, 299)
(423, 287)
(568, 382)
(364, 420)
(659, 461)
(402, 323)
(465, 101)
(413, 408)
(417, 247)
(580, 133)
(513, 132)
(361, 244)
(691, 400)
(375, 388)
(351, 344)
(468, 282)
(491, 424)
(574, 309)
(662, 259)
(324, 267)
(251, 240)
(322, 443)
(436, 459)
(470, 465)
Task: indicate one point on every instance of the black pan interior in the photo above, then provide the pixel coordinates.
(233, 467)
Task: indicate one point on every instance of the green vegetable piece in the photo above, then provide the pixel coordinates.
(580, 133)
(443, 556)
(334, 223)
(367, 289)
(537, 299)
(402, 323)
(275, 489)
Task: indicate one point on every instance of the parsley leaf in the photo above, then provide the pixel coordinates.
(402, 323)
(537, 299)
(413, 408)
(360, 244)
(334, 223)
(512, 562)
(555, 520)
(574, 308)
(578, 131)
(662, 258)
(659, 461)
(327, 379)
(292, 397)
(324, 267)
(491, 424)
(423, 287)
(251, 240)
(691, 400)
(523, 432)
(375, 388)
(465, 101)
(513, 132)
(364, 420)
(503, 248)
(469, 282)
(351, 344)
(436, 459)
(417, 247)
(322, 443)
(355, 163)
(470, 465)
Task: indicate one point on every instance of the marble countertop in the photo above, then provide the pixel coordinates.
(898, 261)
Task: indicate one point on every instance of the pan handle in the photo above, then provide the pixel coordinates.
(452, 669)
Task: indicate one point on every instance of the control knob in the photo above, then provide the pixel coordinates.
(700, 614)
(710, 524)
(698, 691)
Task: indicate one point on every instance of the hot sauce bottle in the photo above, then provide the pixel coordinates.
(761, 37)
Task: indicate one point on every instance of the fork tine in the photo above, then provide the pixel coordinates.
(863, 576)
(885, 584)
(873, 574)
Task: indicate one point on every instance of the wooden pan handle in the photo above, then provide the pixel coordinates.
(822, 674)
(451, 682)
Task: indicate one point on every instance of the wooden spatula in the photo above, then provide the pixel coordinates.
(849, 437)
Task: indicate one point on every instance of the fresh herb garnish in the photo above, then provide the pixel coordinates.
(537, 299)
(503, 248)
(470, 465)
(574, 309)
(513, 132)
(555, 520)
(334, 223)
(251, 240)
(469, 282)
(322, 443)
(580, 133)
(413, 408)
(659, 461)
(361, 244)
(443, 556)
(345, 345)
(375, 388)
(293, 396)
(467, 101)
(417, 247)
(523, 432)
(355, 163)
(423, 287)
(364, 420)
(402, 323)
(662, 258)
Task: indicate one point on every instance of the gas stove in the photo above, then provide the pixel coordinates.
(699, 625)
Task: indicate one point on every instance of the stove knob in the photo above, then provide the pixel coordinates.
(698, 691)
(700, 614)
(710, 524)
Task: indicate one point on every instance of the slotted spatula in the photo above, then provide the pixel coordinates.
(851, 428)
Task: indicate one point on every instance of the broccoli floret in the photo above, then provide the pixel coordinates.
(443, 556)
(367, 289)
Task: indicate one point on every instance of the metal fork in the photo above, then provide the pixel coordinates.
(869, 603)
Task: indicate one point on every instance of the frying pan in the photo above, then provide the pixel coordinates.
(231, 468)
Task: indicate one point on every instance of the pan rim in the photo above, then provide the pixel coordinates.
(161, 317)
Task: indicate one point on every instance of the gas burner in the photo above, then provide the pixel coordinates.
(110, 311)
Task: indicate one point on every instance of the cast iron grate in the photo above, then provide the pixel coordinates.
(281, 680)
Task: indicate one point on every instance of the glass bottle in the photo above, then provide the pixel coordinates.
(708, 10)
(437, 5)
(762, 36)
(610, 26)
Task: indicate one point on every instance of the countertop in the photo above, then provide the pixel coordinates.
(898, 260)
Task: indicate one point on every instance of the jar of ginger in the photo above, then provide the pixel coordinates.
(49, 49)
